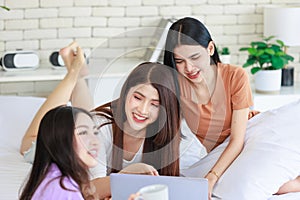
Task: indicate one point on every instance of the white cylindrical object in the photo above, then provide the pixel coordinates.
(268, 80)
(283, 23)
(225, 59)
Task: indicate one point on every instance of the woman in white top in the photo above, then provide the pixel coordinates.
(140, 131)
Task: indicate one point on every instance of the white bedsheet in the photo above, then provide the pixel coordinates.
(270, 158)
(13, 172)
(15, 116)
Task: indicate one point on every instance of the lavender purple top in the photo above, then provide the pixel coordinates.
(51, 189)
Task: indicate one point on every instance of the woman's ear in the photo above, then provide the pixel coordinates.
(211, 48)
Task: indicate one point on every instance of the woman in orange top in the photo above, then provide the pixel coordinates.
(215, 97)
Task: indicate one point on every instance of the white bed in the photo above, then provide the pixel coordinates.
(16, 114)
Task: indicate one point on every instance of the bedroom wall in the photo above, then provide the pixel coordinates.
(47, 25)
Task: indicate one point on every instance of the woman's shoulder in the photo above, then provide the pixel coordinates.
(50, 187)
(229, 71)
(229, 68)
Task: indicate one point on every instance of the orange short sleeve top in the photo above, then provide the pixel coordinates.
(211, 122)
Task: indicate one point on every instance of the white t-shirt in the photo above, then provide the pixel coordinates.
(191, 150)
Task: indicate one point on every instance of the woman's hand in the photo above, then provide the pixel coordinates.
(140, 168)
(212, 179)
(133, 196)
(73, 58)
(252, 113)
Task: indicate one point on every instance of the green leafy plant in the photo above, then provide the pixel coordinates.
(266, 55)
(5, 8)
(225, 51)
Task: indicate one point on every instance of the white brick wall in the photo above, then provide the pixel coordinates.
(21, 24)
(54, 44)
(74, 11)
(56, 23)
(24, 44)
(239, 9)
(108, 11)
(1, 46)
(158, 2)
(77, 32)
(141, 11)
(23, 4)
(207, 9)
(40, 34)
(125, 2)
(12, 14)
(41, 13)
(222, 2)
(47, 25)
(1, 24)
(54, 3)
(90, 22)
(107, 32)
(175, 11)
(91, 2)
(11, 35)
(124, 22)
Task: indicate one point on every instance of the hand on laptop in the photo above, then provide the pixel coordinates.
(134, 196)
(140, 168)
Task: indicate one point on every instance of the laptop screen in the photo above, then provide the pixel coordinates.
(122, 185)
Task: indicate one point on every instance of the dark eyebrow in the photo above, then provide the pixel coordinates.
(84, 126)
(178, 58)
(144, 96)
(195, 54)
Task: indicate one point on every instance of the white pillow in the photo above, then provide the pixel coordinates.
(271, 157)
(15, 117)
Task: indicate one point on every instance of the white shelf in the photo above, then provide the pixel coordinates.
(40, 74)
(116, 69)
(263, 101)
(285, 90)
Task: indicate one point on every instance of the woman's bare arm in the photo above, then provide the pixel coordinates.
(234, 147)
(60, 95)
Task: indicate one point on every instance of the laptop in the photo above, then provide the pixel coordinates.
(122, 185)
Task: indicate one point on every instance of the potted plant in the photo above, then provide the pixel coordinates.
(225, 55)
(267, 58)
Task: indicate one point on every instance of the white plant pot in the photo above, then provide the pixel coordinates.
(268, 81)
(225, 59)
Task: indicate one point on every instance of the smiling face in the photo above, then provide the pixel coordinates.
(141, 107)
(87, 143)
(193, 61)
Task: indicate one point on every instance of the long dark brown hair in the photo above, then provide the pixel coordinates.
(161, 146)
(56, 144)
(187, 31)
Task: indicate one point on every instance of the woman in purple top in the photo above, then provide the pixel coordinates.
(65, 139)
(66, 147)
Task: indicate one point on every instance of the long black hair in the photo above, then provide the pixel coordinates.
(55, 144)
(187, 31)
